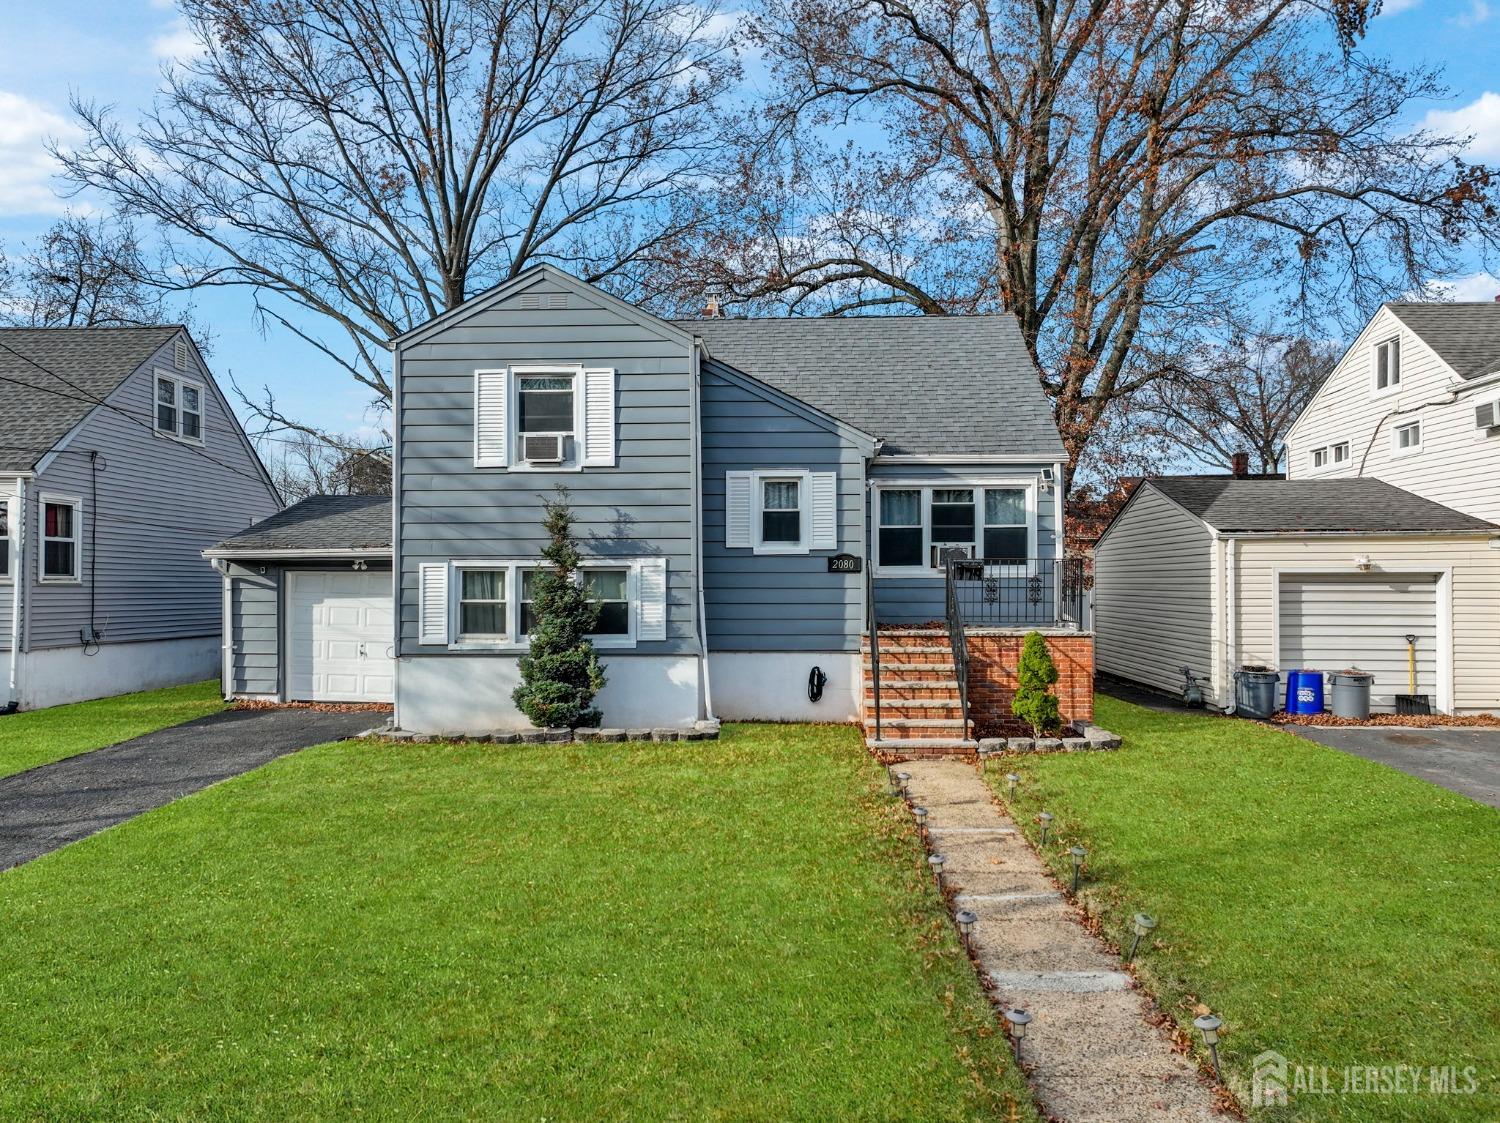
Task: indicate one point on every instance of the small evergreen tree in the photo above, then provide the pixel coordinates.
(1036, 673)
(560, 674)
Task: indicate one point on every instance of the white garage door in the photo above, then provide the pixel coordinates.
(1340, 621)
(339, 635)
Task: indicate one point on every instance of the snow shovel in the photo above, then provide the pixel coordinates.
(1412, 703)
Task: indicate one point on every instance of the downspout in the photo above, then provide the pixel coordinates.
(17, 594)
(1231, 579)
(226, 628)
(694, 423)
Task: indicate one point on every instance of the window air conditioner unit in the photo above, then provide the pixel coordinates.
(1487, 416)
(941, 554)
(542, 448)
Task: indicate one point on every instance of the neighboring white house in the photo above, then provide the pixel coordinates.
(1213, 573)
(1414, 401)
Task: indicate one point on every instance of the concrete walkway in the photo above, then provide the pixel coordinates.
(50, 806)
(1090, 1052)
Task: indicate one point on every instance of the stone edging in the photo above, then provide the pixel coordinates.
(1090, 738)
(698, 731)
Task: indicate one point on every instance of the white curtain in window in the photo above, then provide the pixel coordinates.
(901, 508)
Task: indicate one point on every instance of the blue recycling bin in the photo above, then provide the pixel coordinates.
(1304, 692)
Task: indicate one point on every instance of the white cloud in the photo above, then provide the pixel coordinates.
(1479, 286)
(1479, 119)
(1396, 7)
(1478, 12)
(26, 167)
(177, 41)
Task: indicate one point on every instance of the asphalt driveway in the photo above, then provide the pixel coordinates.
(59, 803)
(1466, 761)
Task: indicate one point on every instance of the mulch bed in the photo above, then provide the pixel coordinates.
(321, 707)
(1410, 721)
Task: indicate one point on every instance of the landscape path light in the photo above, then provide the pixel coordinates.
(1209, 1026)
(1078, 854)
(903, 780)
(1046, 818)
(920, 814)
(966, 920)
(936, 862)
(1016, 1020)
(1012, 779)
(1144, 924)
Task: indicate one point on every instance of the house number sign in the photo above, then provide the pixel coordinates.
(845, 563)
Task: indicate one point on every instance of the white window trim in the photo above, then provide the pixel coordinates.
(8, 543)
(514, 641)
(926, 487)
(1312, 458)
(803, 480)
(513, 415)
(1377, 390)
(42, 576)
(178, 382)
(1410, 450)
(1333, 453)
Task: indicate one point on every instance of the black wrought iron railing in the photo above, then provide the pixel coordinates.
(874, 643)
(958, 642)
(1019, 592)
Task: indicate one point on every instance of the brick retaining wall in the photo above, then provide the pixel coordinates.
(992, 680)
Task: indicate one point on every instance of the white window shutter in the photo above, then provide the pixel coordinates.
(651, 596)
(825, 510)
(491, 418)
(739, 510)
(432, 603)
(599, 418)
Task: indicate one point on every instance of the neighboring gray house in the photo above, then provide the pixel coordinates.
(1215, 572)
(119, 462)
(730, 480)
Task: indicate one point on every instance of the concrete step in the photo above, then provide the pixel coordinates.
(883, 632)
(919, 703)
(903, 650)
(922, 744)
(928, 663)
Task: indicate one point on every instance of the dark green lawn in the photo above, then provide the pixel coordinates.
(734, 930)
(1332, 909)
(42, 736)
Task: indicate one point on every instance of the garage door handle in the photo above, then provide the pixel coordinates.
(361, 651)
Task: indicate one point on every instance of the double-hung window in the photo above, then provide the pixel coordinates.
(608, 586)
(491, 603)
(4, 539)
(915, 524)
(1387, 364)
(59, 541)
(482, 605)
(179, 408)
(544, 417)
(781, 502)
(1407, 438)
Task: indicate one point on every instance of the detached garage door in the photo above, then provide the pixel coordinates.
(339, 637)
(1339, 621)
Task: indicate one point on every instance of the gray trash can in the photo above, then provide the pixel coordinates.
(1255, 693)
(1351, 694)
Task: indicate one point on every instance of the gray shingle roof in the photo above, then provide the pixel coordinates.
(1353, 506)
(320, 522)
(1465, 336)
(38, 409)
(924, 384)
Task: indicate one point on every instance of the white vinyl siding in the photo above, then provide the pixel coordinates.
(1459, 463)
(1153, 596)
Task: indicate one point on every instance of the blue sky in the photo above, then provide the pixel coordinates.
(113, 51)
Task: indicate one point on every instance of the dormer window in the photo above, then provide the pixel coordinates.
(1388, 365)
(179, 408)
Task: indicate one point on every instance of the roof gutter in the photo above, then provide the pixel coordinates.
(279, 552)
(1468, 532)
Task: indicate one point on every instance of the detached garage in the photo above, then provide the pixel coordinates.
(308, 611)
(1211, 573)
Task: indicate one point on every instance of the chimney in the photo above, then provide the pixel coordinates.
(1497, 298)
(715, 307)
(1239, 464)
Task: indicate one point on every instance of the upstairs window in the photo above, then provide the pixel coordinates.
(179, 408)
(59, 545)
(4, 539)
(1340, 452)
(1407, 438)
(545, 417)
(1388, 364)
(1320, 457)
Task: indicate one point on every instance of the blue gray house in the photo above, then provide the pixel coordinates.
(119, 462)
(741, 487)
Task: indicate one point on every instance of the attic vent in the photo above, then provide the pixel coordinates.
(180, 353)
(535, 300)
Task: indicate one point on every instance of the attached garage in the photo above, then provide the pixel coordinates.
(1339, 621)
(1213, 573)
(308, 604)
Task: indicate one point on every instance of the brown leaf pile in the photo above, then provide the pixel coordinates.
(1411, 721)
(321, 707)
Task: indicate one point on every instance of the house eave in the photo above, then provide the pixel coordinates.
(305, 553)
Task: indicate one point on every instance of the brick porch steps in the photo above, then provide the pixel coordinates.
(920, 710)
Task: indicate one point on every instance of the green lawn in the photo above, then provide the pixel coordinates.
(734, 930)
(42, 736)
(1334, 910)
